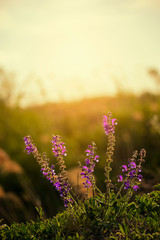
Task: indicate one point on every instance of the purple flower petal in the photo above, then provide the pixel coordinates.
(124, 168)
(139, 177)
(96, 158)
(88, 151)
(120, 178)
(133, 165)
(87, 161)
(105, 118)
(135, 187)
(85, 168)
(90, 146)
(63, 151)
(114, 121)
(132, 173)
(127, 185)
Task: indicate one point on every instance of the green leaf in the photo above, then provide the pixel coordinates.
(112, 238)
(40, 212)
(121, 229)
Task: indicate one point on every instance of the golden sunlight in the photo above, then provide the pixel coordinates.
(80, 48)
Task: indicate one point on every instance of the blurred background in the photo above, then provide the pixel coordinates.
(63, 65)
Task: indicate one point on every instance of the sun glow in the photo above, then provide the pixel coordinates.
(80, 48)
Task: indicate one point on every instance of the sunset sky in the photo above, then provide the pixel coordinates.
(80, 48)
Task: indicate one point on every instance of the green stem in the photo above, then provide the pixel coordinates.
(98, 190)
(121, 187)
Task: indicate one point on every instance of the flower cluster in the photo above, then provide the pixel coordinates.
(60, 181)
(30, 148)
(49, 173)
(61, 184)
(130, 178)
(58, 147)
(88, 168)
(109, 124)
(132, 172)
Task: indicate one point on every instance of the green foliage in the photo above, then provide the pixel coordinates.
(102, 216)
(94, 219)
(136, 126)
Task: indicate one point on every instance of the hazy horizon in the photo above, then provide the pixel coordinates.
(80, 49)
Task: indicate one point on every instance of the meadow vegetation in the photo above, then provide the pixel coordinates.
(80, 123)
(138, 219)
(115, 214)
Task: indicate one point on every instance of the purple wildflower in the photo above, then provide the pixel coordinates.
(127, 185)
(124, 168)
(87, 184)
(139, 177)
(109, 124)
(30, 148)
(135, 187)
(62, 184)
(58, 147)
(88, 150)
(132, 176)
(132, 173)
(89, 169)
(87, 161)
(85, 168)
(57, 185)
(60, 181)
(66, 201)
(45, 173)
(48, 172)
(63, 188)
(120, 178)
(133, 165)
(96, 158)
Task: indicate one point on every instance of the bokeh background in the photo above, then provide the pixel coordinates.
(63, 65)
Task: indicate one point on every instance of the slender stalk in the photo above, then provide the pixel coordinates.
(109, 130)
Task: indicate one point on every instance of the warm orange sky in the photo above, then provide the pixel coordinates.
(79, 48)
